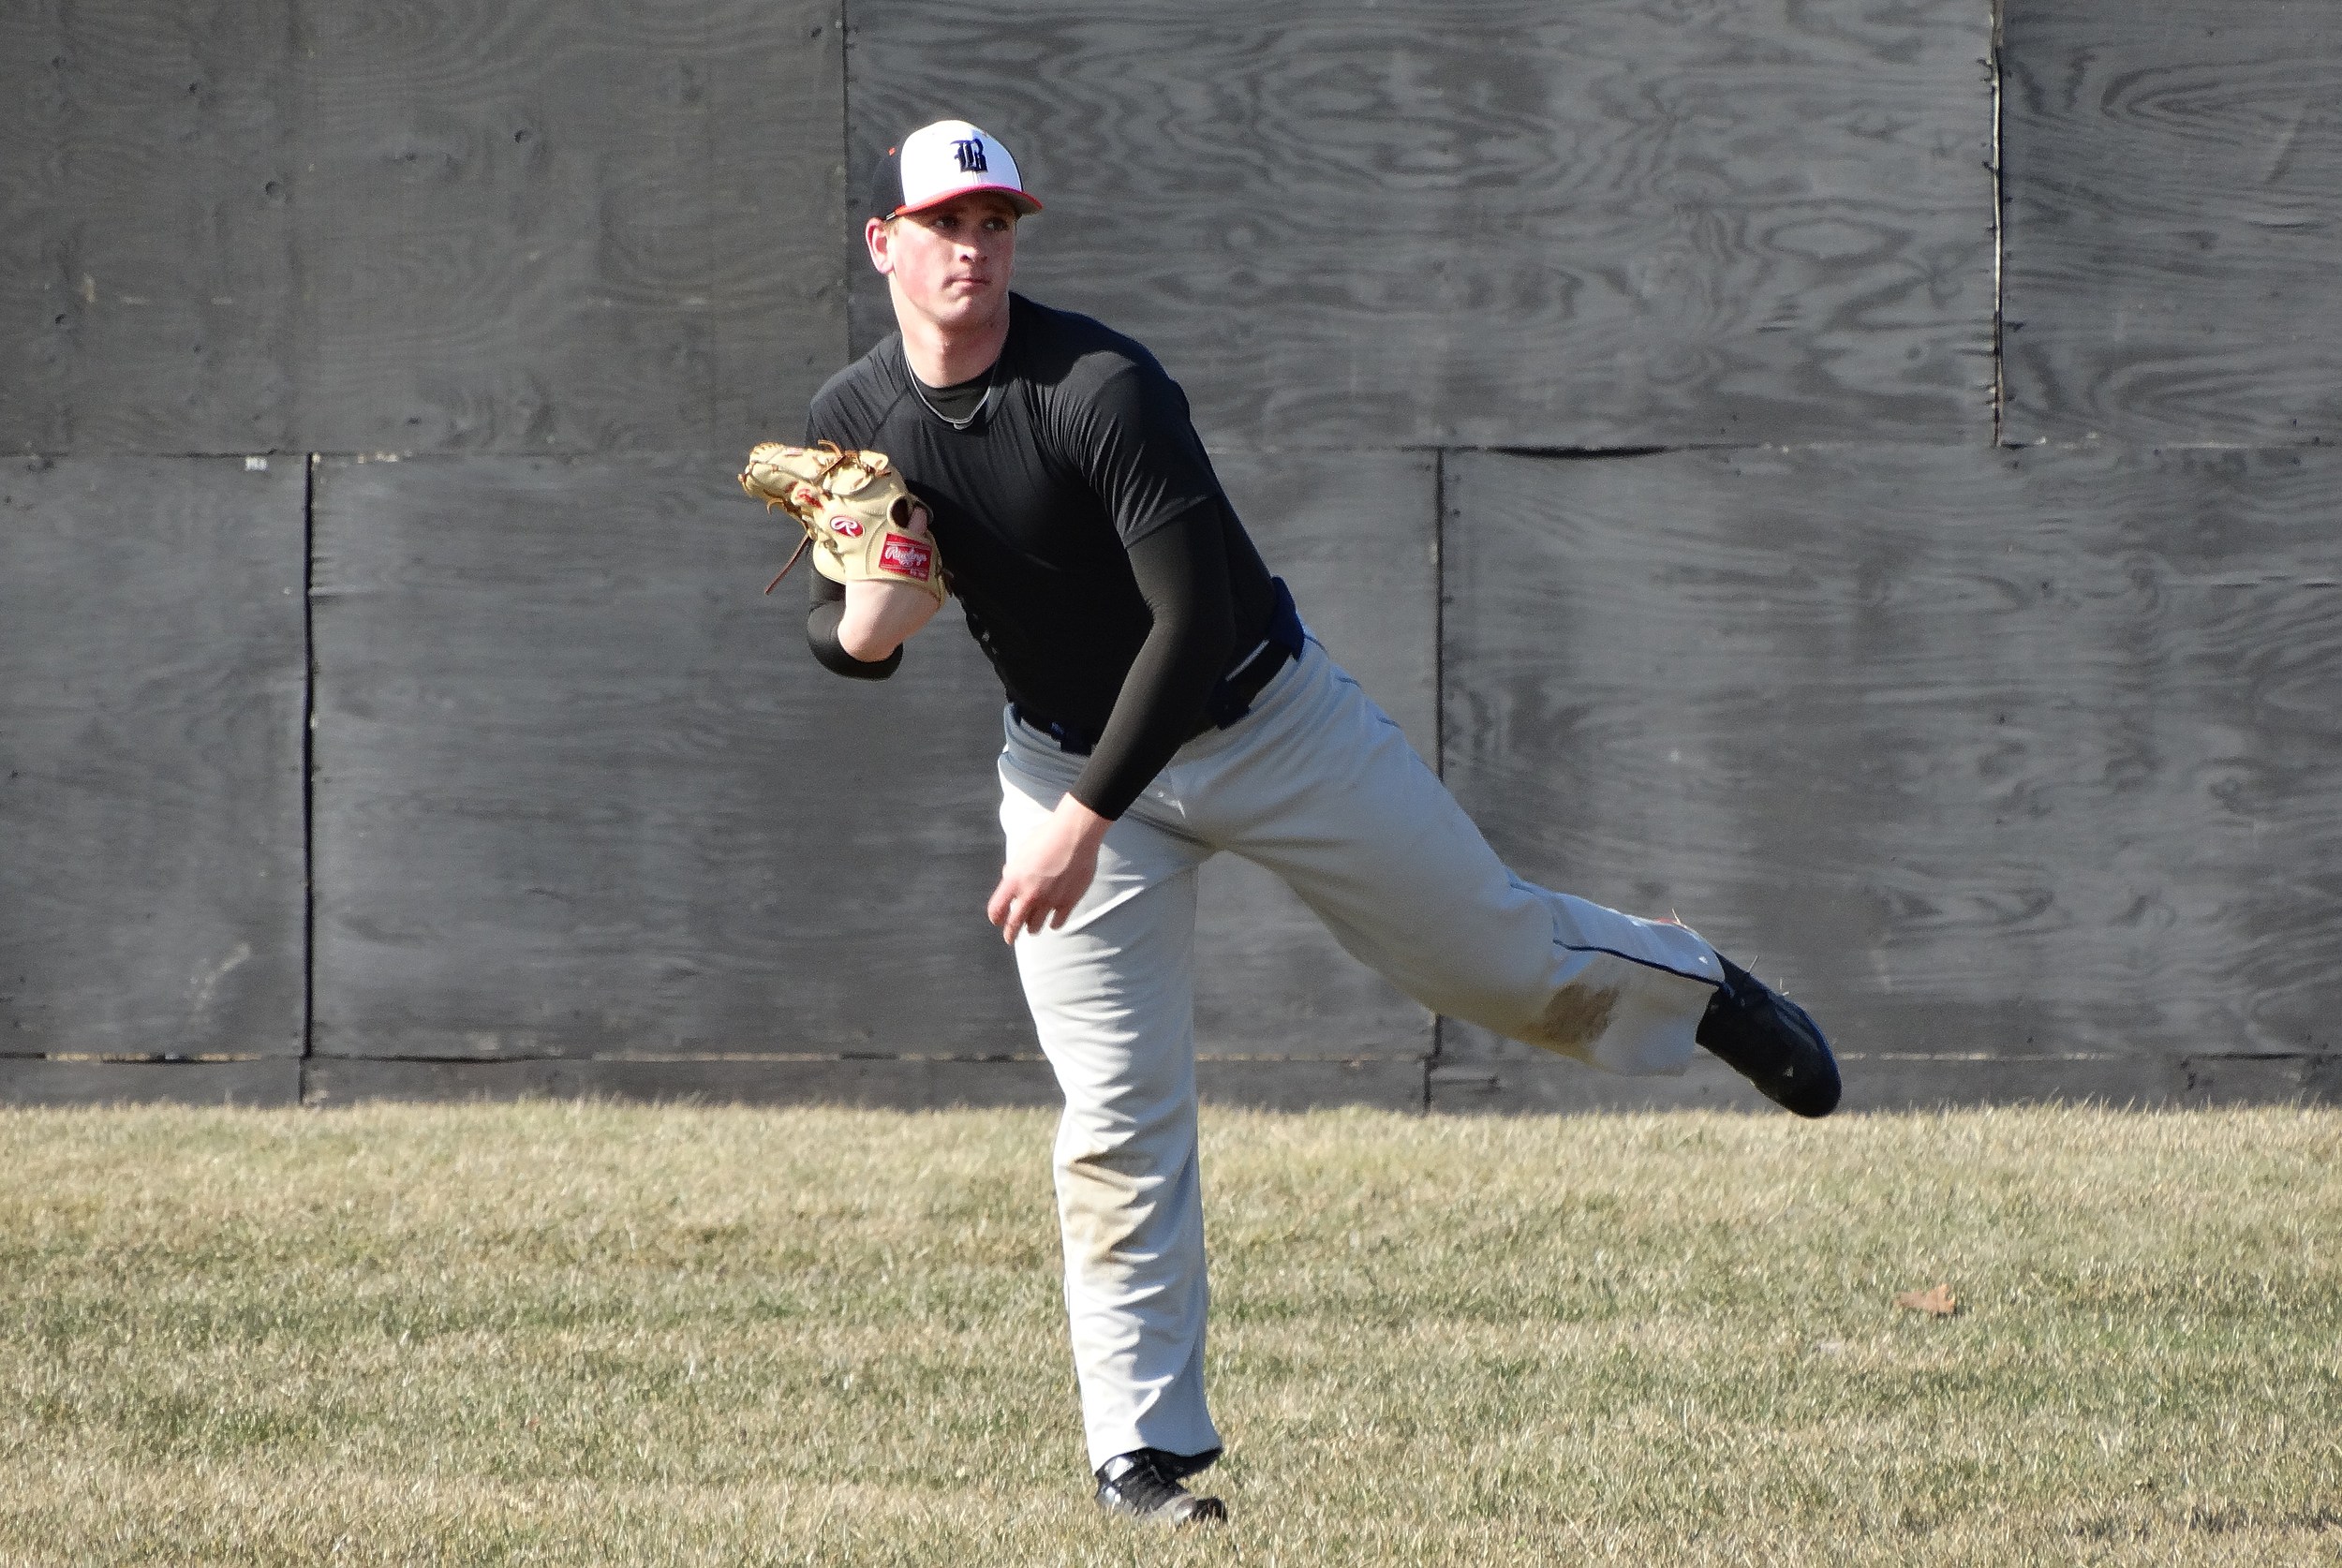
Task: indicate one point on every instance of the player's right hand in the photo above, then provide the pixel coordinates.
(1049, 870)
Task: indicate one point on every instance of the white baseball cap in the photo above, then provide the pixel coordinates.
(946, 159)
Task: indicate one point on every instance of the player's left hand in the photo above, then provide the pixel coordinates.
(879, 616)
(1048, 871)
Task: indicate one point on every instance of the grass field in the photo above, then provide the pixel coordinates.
(562, 1333)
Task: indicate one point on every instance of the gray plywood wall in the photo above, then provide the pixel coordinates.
(1851, 474)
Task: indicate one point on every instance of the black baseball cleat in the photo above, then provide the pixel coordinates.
(1143, 1483)
(1771, 1042)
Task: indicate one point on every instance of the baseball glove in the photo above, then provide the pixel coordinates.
(855, 510)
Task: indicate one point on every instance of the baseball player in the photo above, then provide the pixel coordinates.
(1166, 702)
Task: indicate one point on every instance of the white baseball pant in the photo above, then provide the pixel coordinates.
(1320, 787)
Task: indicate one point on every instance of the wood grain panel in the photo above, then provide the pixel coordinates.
(1628, 222)
(2010, 754)
(145, 234)
(560, 227)
(581, 790)
(1353, 534)
(151, 708)
(2175, 222)
(40, 1081)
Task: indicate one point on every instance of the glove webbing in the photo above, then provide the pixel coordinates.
(836, 458)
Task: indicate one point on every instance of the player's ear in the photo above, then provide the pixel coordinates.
(879, 236)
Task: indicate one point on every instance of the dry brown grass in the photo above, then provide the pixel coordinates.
(562, 1333)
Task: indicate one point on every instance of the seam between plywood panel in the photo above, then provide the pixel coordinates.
(1439, 684)
(2000, 232)
(845, 178)
(308, 767)
(1439, 612)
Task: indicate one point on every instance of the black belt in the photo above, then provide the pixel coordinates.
(1230, 700)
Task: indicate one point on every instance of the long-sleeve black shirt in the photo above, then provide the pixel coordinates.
(1100, 564)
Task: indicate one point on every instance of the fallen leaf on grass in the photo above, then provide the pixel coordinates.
(1937, 1301)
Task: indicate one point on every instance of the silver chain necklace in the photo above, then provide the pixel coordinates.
(974, 414)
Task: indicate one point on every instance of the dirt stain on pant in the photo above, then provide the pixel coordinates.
(1098, 1204)
(1574, 1019)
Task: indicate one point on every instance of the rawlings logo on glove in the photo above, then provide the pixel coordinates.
(906, 556)
(855, 510)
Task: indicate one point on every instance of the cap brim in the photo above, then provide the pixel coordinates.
(1024, 204)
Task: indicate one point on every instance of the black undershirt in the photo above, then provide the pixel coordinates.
(1098, 561)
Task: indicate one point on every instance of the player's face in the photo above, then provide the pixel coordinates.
(950, 263)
